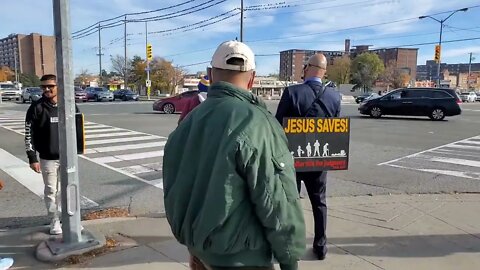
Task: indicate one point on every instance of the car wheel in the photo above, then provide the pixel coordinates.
(375, 112)
(125, 98)
(23, 100)
(437, 114)
(97, 99)
(30, 100)
(168, 108)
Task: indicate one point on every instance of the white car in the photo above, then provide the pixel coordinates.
(472, 97)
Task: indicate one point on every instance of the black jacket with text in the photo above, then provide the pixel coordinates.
(41, 130)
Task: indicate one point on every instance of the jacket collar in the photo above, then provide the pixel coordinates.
(223, 89)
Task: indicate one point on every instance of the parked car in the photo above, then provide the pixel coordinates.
(31, 94)
(125, 95)
(361, 98)
(175, 103)
(8, 91)
(468, 96)
(478, 96)
(99, 94)
(435, 103)
(80, 94)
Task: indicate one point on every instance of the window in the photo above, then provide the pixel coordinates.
(419, 94)
(440, 94)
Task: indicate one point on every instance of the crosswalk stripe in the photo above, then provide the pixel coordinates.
(22, 125)
(127, 157)
(112, 134)
(145, 168)
(470, 175)
(157, 183)
(132, 139)
(456, 161)
(90, 131)
(98, 126)
(21, 172)
(463, 146)
(6, 121)
(123, 147)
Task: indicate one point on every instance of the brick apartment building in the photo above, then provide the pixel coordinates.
(33, 54)
(292, 61)
(429, 70)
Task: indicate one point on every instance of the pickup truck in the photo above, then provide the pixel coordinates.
(8, 91)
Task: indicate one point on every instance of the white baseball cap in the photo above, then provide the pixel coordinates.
(233, 49)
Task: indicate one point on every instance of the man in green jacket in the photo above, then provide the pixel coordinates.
(229, 179)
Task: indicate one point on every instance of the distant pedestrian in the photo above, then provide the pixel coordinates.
(313, 99)
(229, 179)
(203, 86)
(41, 135)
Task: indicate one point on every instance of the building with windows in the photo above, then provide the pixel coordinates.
(429, 70)
(292, 61)
(29, 54)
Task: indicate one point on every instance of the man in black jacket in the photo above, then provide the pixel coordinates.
(41, 135)
(299, 101)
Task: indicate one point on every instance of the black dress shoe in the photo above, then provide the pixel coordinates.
(321, 252)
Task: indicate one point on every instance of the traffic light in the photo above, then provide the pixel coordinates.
(437, 53)
(149, 52)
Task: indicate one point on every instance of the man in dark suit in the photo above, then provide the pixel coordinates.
(312, 99)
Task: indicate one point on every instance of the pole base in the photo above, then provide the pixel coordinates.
(54, 249)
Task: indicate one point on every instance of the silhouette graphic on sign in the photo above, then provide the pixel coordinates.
(309, 150)
(317, 149)
(326, 152)
(300, 151)
(341, 154)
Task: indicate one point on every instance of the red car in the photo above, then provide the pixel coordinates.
(174, 104)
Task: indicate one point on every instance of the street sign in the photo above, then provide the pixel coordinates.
(148, 83)
(318, 144)
(149, 52)
(438, 50)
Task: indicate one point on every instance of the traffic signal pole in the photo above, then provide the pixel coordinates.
(148, 83)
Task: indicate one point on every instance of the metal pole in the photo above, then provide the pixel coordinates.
(67, 132)
(100, 54)
(125, 75)
(440, 58)
(148, 61)
(469, 71)
(241, 21)
(16, 68)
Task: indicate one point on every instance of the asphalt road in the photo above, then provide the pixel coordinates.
(381, 160)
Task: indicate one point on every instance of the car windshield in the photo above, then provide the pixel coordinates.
(130, 92)
(7, 86)
(101, 89)
(36, 90)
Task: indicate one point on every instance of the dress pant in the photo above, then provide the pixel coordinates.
(316, 184)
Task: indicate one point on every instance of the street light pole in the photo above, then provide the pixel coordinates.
(440, 41)
(241, 21)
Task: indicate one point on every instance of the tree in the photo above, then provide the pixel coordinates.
(366, 68)
(29, 80)
(393, 76)
(340, 70)
(83, 78)
(6, 74)
(118, 64)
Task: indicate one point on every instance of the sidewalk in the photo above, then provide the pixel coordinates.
(369, 232)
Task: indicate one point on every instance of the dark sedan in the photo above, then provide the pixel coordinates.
(435, 103)
(125, 95)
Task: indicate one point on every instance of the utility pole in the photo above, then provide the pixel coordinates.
(100, 54)
(440, 41)
(469, 70)
(241, 21)
(73, 239)
(125, 73)
(148, 56)
(16, 67)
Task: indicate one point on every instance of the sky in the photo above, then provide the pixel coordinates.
(291, 24)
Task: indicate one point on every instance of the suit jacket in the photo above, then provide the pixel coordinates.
(297, 99)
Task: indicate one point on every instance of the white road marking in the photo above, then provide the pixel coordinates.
(21, 172)
(123, 147)
(6, 121)
(90, 131)
(470, 175)
(133, 139)
(98, 126)
(127, 157)
(19, 125)
(431, 149)
(157, 183)
(459, 146)
(456, 161)
(145, 168)
(112, 134)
